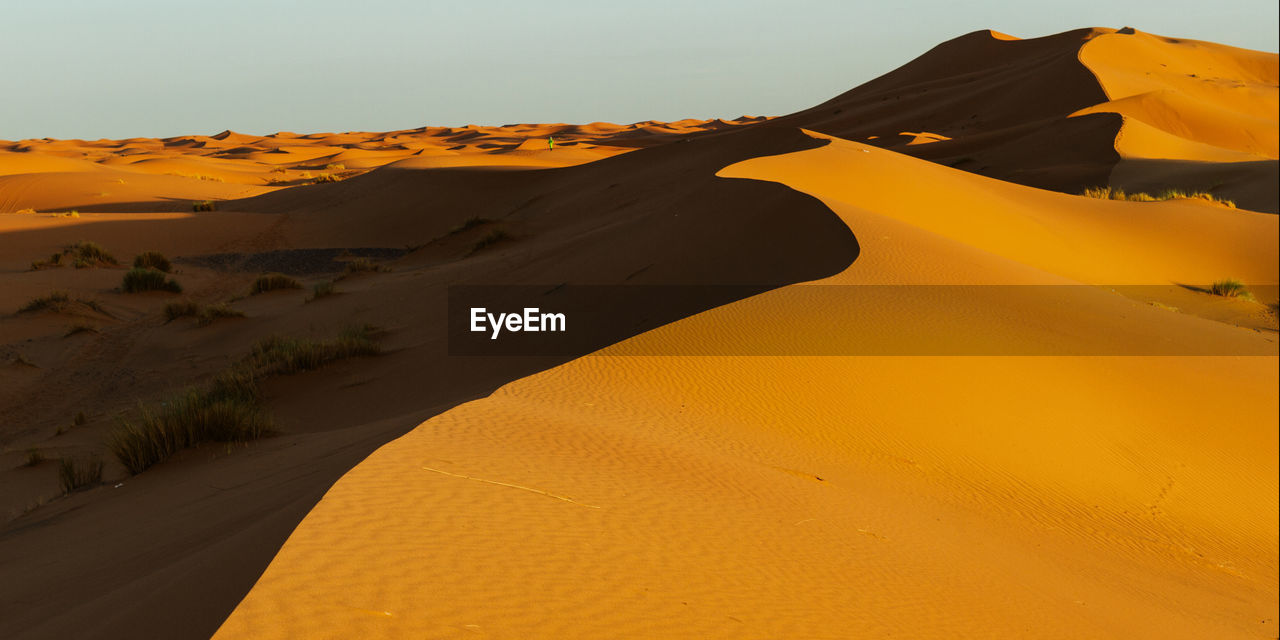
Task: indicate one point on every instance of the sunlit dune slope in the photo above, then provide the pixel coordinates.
(1079, 109)
(641, 493)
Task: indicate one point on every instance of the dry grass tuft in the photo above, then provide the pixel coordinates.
(272, 282)
(137, 280)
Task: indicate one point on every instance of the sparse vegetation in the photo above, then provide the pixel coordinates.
(152, 260)
(225, 411)
(1230, 288)
(280, 355)
(91, 252)
(325, 177)
(202, 205)
(335, 166)
(55, 301)
(54, 261)
(138, 279)
(215, 312)
(180, 309)
(81, 326)
(1109, 193)
(272, 282)
(198, 176)
(364, 265)
(490, 239)
(228, 409)
(75, 475)
(322, 290)
(34, 457)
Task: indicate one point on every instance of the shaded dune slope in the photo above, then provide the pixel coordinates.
(1084, 108)
(162, 546)
(638, 492)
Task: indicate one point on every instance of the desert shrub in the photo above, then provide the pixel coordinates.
(490, 239)
(228, 408)
(185, 420)
(75, 475)
(335, 166)
(1230, 288)
(137, 280)
(180, 309)
(34, 457)
(364, 265)
(272, 282)
(202, 205)
(281, 355)
(325, 177)
(152, 260)
(322, 290)
(1110, 193)
(55, 301)
(215, 312)
(91, 252)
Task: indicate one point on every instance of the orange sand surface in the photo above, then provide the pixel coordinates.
(959, 400)
(633, 495)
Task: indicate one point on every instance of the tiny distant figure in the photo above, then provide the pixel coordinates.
(551, 143)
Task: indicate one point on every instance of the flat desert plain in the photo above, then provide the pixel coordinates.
(999, 360)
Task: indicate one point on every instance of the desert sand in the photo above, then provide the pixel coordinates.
(853, 451)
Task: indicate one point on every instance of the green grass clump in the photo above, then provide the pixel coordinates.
(220, 412)
(1230, 288)
(280, 355)
(54, 261)
(75, 475)
(214, 312)
(91, 252)
(272, 282)
(322, 290)
(490, 239)
(138, 279)
(55, 301)
(180, 309)
(152, 260)
(202, 205)
(227, 409)
(1109, 193)
(364, 265)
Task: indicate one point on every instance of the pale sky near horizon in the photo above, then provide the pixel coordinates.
(91, 69)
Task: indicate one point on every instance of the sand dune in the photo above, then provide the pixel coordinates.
(628, 494)
(929, 394)
(1071, 111)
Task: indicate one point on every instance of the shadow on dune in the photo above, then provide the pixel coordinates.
(172, 551)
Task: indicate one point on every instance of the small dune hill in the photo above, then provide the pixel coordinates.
(1079, 109)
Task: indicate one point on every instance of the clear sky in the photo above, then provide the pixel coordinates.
(92, 69)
